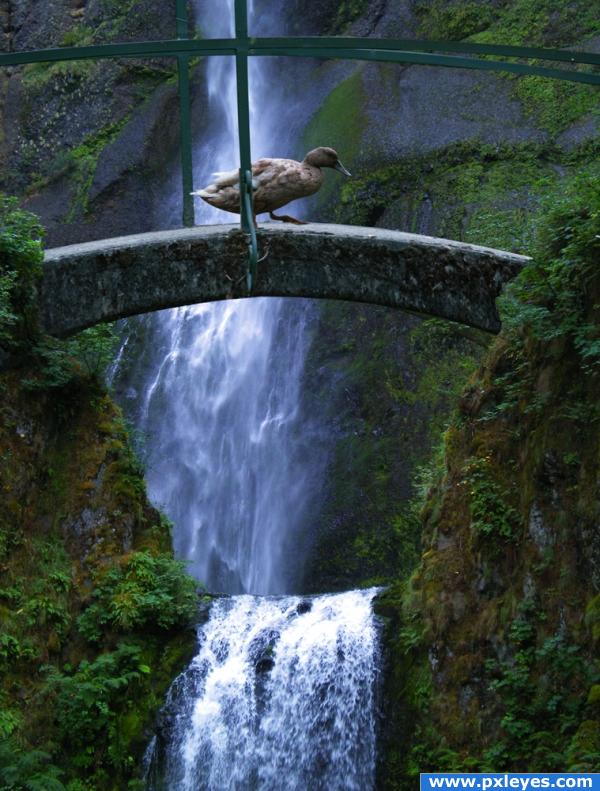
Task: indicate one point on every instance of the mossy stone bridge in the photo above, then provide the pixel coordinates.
(90, 283)
(85, 284)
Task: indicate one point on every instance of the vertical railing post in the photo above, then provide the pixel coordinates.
(185, 122)
(243, 105)
(243, 100)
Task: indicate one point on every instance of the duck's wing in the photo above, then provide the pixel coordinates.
(226, 178)
(270, 172)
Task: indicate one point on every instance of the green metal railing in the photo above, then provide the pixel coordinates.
(243, 46)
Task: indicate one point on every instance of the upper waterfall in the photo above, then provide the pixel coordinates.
(232, 457)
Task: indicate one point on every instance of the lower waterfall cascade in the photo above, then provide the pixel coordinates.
(281, 695)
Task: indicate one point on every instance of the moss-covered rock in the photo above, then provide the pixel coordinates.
(73, 512)
(395, 379)
(501, 612)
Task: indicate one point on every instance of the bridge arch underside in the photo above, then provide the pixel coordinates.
(90, 283)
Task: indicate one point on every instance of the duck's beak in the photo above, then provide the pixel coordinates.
(338, 166)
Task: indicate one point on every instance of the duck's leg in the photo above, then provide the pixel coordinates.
(286, 218)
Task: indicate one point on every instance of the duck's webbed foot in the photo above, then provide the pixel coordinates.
(286, 218)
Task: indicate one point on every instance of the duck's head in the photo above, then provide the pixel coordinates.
(325, 158)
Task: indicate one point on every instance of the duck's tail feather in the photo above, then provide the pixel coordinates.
(204, 193)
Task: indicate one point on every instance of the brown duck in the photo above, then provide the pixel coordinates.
(275, 182)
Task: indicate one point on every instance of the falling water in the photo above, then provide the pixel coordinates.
(231, 458)
(279, 696)
(228, 455)
(280, 693)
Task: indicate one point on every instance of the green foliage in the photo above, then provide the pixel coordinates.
(21, 256)
(13, 650)
(549, 299)
(528, 22)
(538, 689)
(542, 22)
(480, 193)
(443, 21)
(94, 349)
(348, 11)
(85, 356)
(145, 592)
(57, 363)
(27, 771)
(87, 699)
(10, 719)
(491, 513)
(555, 105)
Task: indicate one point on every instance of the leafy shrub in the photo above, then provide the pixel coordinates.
(551, 297)
(27, 771)
(538, 688)
(491, 514)
(21, 256)
(145, 592)
(87, 699)
(87, 354)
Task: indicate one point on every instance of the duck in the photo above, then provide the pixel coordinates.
(275, 182)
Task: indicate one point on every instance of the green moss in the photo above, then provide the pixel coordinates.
(78, 36)
(83, 161)
(555, 105)
(481, 194)
(441, 21)
(542, 22)
(348, 11)
(38, 76)
(340, 122)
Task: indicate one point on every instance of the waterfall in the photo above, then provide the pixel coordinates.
(281, 692)
(215, 390)
(228, 451)
(279, 696)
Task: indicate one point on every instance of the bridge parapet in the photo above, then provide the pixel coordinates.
(89, 283)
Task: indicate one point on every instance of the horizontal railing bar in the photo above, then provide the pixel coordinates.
(430, 59)
(285, 46)
(138, 49)
(414, 45)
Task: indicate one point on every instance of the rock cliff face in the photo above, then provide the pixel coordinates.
(89, 144)
(442, 152)
(93, 146)
(80, 693)
(494, 650)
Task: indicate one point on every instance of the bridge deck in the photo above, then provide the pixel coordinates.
(85, 284)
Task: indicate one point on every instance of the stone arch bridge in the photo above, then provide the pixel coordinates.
(86, 284)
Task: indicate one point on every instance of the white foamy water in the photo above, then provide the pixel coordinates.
(279, 697)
